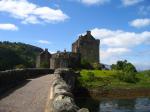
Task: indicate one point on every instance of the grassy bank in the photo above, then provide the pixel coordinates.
(110, 80)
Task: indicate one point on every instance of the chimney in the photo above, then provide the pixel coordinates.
(88, 32)
(65, 51)
(46, 50)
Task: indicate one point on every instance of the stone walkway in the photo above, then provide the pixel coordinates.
(31, 96)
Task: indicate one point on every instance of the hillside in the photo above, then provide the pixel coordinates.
(15, 55)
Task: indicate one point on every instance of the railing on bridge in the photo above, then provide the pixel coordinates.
(61, 98)
(10, 78)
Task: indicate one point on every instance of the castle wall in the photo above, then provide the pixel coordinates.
(88, 47)
(43, 59)
(65, 60)
(59, 63)
(38, 61)
(89, 51)
(85, 48)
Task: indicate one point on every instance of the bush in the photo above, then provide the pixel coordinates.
(129, 77)
(91, 76)
(44, 65)
(85, 64)
(96, 66)
(20, 66)
(124, 66)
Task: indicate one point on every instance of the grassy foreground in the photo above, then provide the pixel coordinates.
(109, 79)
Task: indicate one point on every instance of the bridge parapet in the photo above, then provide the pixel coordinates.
(11, 78)
(61, 98)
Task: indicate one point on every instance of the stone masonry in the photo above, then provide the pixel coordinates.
(85, 48)
(43, 59)
(88, 47)
(65, 60)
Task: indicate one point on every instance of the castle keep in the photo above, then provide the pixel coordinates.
(88, 47)
(85, 48)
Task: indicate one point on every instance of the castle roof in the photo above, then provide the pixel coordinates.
(87, 37)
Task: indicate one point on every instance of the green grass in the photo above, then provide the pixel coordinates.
(144, 79)
(108, 79)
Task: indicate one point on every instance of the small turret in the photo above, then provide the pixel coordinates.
(46, 50)
(43, 59)
(88, 33)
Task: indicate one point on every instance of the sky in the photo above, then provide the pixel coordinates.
(123, 26)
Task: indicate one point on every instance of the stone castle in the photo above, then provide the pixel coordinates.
(85, 48)
(88, 47)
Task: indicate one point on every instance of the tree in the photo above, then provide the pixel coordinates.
(126, 71)
(124, 66)
(17, 55)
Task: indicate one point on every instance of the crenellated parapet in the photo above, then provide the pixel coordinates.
(65, 60)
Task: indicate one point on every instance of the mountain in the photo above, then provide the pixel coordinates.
(17, 55)
(105, 66)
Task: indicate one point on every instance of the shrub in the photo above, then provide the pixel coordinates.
(96, 66)
(124, 66)
(20, 66)
(129, 77)
(85, 64)
(91, 76)
(44, 65)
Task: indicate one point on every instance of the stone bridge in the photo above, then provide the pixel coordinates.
(37, 90)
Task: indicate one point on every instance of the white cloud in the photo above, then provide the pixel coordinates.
(120, 45)
(143, 66)
(144, 10)
(113, 52)
(43, 42)
(53, 52)
(31, 13)
(94, 2)
(120, 38)
(138, 23)
(130, 2)
(8, 26)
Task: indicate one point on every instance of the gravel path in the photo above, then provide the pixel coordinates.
(30, 97)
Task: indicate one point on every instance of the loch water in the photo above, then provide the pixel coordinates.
(140, 104)
(125, 105)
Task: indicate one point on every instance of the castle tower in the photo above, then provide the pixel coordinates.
(43, 59)
(88, 47)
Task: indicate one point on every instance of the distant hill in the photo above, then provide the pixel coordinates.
(17, 55)
(106, 67)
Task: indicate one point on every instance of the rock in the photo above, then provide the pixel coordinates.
(67, 75)
(83, 110)
(64, 104)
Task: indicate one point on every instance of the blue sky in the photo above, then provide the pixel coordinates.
(123, 26)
